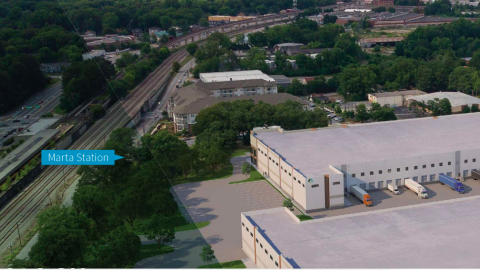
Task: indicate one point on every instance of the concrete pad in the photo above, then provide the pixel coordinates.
(221, 204)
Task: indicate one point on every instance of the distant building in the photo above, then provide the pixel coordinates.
(234, 76)
(352, 106)
(467, 59)
(305, 80)
(90, 33)
(281, 80)
(185, 103)
(319, 98)
(137, 32)
(383, 2)
(109, 40)
(292, 63)
(393, 99)
(458, 100)
(271, 64)
(284, 47)
(153, 30)
(92, 54)
(229, 18)
(53, 67)
(372, 42)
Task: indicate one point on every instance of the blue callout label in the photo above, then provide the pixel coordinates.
(79, 157)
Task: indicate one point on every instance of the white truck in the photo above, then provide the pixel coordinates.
(417, 188)
(393, 188)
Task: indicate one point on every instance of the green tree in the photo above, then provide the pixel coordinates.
(288, 204)
(361, 113)
(130, 205)
(377, 49)
(175, 66)
(207, 254)
(191, 48)
(246, 169)
(466, 109)
(159, 228)
(117, 249)
(97, 111)
(172, 32)
(445, 106)
(355, 83)
(63, 237)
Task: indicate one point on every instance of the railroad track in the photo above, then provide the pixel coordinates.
(35, 195)
(28, 203)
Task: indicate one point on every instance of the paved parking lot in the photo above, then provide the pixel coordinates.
(383, 199)
(221, 204)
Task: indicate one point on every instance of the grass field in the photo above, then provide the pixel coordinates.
(240, 152)
(232, 265)
(254, 176)
(304, 217)
(207, 174)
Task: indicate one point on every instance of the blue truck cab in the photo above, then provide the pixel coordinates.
(451, 182)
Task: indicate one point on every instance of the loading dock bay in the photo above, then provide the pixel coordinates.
(383, 198)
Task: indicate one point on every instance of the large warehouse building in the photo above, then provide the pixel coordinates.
(315, 167)
(431, 235)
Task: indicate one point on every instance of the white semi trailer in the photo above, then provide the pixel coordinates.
(417, 188)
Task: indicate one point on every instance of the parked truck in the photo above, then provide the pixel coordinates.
(475, 174)
(452, 183)
(417, 188)
(362, 195)
(393, 188)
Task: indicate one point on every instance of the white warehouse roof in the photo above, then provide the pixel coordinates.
(311, 152)
(235, 76)
(456, 98)
(432, 235)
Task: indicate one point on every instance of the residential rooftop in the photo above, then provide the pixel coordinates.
(312, 151)
(431, 235)
(456, 98)
(191, 99)
(234, 76)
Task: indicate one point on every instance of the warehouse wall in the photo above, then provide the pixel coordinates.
(256, 244)
(421, 168)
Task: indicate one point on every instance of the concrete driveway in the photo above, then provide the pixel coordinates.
(188, 246)
(221, 204)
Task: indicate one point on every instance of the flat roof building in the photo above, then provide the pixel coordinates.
(39, 125)
(393, 99)
(458, 100)
(316, 167)
(23, 153)
(430, 235)
(234, 76)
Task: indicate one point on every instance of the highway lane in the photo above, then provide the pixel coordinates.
(47, 100)
(24, 207)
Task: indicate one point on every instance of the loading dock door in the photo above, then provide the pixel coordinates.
(363, 186)
(380, 184)
(389, 182)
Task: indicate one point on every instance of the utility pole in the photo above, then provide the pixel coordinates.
(19, 237)
(48, 195)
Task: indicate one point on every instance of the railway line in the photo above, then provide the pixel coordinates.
(21, 211)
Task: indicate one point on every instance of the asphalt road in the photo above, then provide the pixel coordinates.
(150, 118)
(47, 100)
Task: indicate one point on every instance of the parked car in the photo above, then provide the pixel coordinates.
(340, 119)
(3, 125)
(16, 121)
(40, 102)
(24, 123)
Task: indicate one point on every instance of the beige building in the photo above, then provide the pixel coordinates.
(458, 100)
(315, 172)
(185, 103)
(394, 99)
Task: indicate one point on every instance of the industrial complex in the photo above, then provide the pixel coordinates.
(420, 236)
(316, 167)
